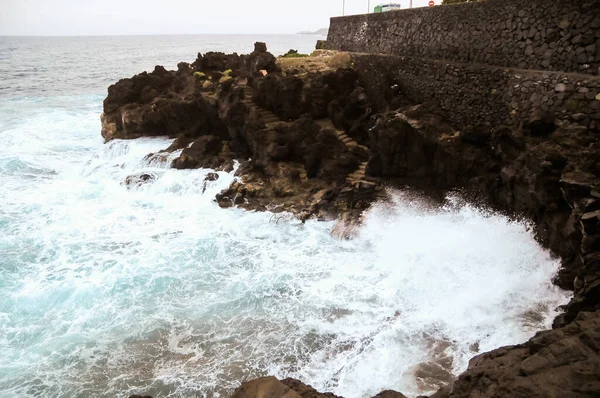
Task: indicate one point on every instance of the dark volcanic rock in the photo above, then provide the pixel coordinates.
(158, 103)
(264, 61)
(304, 390)
(216, 61)
(555, 363)
(211, 177)
(139, 179)
(222, 107)
(390, 394)
(321, 45)
(203, 152)
(260, 47)
(264, 387)
(327, 94)
(272, 388)
(540, 124)
(290, 388)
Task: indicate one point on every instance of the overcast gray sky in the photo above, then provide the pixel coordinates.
(122, 17)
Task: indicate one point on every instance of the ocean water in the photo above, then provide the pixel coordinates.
(107, 291)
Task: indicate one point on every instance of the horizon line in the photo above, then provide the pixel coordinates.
(302, 33)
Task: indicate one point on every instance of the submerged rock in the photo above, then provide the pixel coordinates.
(265, 387)
(211, 177)
(274, 388)
(137, 180)
(390, 394)
(290, 388)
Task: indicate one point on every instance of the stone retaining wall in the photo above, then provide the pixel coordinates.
(559, 35)
(479, 95)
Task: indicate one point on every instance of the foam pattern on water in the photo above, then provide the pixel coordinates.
(107, 291)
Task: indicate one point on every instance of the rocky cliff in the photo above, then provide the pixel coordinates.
(313, 137)
(287, 129)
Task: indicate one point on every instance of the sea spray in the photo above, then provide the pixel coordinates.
(442, 285)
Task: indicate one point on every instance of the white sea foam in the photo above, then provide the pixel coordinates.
(113, 290)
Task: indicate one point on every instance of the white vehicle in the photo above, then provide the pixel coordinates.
(387, 7)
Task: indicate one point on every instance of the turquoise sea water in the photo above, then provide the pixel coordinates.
(107, 291)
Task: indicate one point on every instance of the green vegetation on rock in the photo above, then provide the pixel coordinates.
(339, 60)
(295, 55)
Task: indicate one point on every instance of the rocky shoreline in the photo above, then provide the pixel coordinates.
(313, 137)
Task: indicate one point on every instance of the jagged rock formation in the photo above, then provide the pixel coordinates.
(223, 108)
(318, 148)
(290, 388)
(271, 387)
(561, 362)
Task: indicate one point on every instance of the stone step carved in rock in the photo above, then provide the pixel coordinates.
(342, 136)
(265, 115)
(357, 178)
(303, 176)
(358, 175)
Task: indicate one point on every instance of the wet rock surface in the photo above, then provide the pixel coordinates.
(138, 180)
(273, 388)
(318, 141)
(561, 362)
